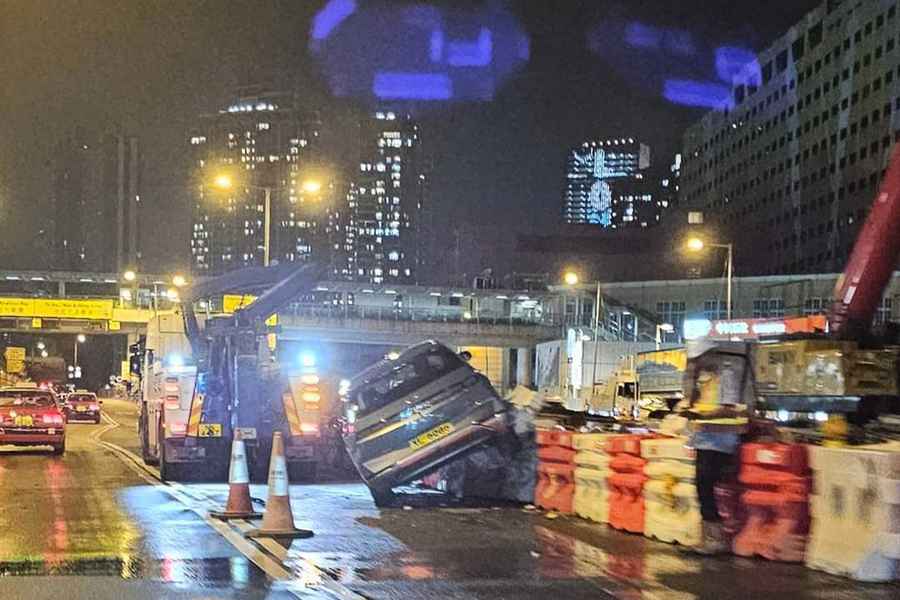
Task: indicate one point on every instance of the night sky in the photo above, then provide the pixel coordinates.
(153, 66)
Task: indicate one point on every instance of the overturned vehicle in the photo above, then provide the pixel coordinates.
(411, 415)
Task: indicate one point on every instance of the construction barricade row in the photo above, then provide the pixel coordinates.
(775, 481)
(671, 507)
(626, 482)
(856, 512)
(555, 487)
(591, 470)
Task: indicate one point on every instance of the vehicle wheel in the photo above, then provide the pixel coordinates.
(97, 420)
(383, 498)
(167, 471)
(60, 448)
(149, 459)
(302, 471)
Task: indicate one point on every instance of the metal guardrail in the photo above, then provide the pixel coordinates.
(425, 314)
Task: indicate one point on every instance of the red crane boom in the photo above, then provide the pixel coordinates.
(860, 287)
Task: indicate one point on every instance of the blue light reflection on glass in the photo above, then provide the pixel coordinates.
(328, 19)
(417, 52)
(675, 63)
(707, 94)
(732, 63)
(412, 86)
(639, 35)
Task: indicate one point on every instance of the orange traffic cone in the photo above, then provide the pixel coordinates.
(278, 520)
(239, 505)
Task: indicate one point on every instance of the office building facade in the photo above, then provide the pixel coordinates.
(593, 169)
(788, 173)
(385, 203)
(96, 203)
(260, 142)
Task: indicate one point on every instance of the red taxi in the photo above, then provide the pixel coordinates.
(82, 405)
(30, 416)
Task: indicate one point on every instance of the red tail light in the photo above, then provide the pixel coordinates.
(173, 403)
(53, 420)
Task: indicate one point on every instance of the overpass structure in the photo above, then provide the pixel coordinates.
(503, 326)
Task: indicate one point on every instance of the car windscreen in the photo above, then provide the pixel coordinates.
(25, 398)
(81, 398)
(406, 377)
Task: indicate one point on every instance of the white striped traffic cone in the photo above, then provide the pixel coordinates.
(278, 520)
(239, 505)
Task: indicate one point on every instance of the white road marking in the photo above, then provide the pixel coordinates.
(270, 561)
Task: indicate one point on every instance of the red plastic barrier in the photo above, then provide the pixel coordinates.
(776, 482)
(626, 483)
(555, 489)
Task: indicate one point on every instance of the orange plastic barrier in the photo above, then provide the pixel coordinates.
(555, 489)
(626, 482)
(776, 484)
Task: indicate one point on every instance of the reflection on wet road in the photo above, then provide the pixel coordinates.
(85, 525)
(86, 514)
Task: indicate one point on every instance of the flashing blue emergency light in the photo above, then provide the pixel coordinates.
(174, 360)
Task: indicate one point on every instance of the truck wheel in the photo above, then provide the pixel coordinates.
(167, 471)
(143, 431)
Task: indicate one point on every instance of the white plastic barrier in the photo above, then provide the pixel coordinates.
(591, 470)
(671, 507)
(856, 512)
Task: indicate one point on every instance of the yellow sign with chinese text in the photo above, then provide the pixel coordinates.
(14, 353)
(43, 308)
(232, 302)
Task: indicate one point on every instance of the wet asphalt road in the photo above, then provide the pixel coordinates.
(86, 525)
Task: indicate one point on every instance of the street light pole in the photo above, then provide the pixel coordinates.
(267, 222)
(596, 340)
(697, 244)
(730, 275)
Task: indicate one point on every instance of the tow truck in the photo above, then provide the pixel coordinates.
(205, 376)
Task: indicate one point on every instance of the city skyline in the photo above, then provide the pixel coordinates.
(259, 144)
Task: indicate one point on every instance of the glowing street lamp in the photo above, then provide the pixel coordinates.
(570, 278)
(696, 244)
(129, 275)
(79, 339)
(223, 181)
(179, 281)
(312, 186)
